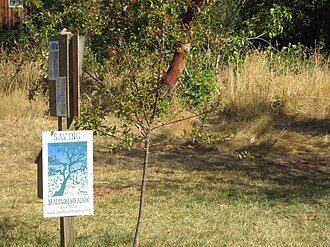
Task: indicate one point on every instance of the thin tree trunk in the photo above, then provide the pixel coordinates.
(143, 191)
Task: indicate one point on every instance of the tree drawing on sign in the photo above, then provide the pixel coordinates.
(67, 168)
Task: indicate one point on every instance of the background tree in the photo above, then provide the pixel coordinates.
(106, 22)
(309, 25)
(137, 100)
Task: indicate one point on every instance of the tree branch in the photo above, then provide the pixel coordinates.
(101, 84)
(180, 120)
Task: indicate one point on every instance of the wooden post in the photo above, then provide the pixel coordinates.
(67, 231)
(38, 161)
(69, 56)
(6, 14)
(2, 13)
(67, 228)
(73, 85)
(75, 74)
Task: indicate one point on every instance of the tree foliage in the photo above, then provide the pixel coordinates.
(224, 24)
(309, 25)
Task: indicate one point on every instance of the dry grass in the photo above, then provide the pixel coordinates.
(275, 108)
(17, 77)
(17, 73)
(16, 106)
(256, 187)
(257, 89)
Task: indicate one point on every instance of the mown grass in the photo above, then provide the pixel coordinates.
(187, 205)
(265, 183)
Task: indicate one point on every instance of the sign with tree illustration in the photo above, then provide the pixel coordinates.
(67, 173)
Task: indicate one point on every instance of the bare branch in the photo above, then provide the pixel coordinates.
(180, 120)
(101, 84)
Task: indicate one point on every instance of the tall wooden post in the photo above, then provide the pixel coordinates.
(67, 228)
(66, 69)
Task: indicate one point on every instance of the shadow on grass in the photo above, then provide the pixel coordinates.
(311, 126)
(280, 120)
(279, 179)
(281, 176)
(289, 179)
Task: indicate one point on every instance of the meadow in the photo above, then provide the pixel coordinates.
(259, 176)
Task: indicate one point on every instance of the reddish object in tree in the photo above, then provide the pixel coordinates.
(174, 72)
(178, 64)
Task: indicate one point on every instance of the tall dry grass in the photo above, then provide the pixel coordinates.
(250, 90)
(257, 88)
(17, 77)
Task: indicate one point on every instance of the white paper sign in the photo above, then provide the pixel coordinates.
(53, 60)
(61, 97)
(67, 158)
(15, 3)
